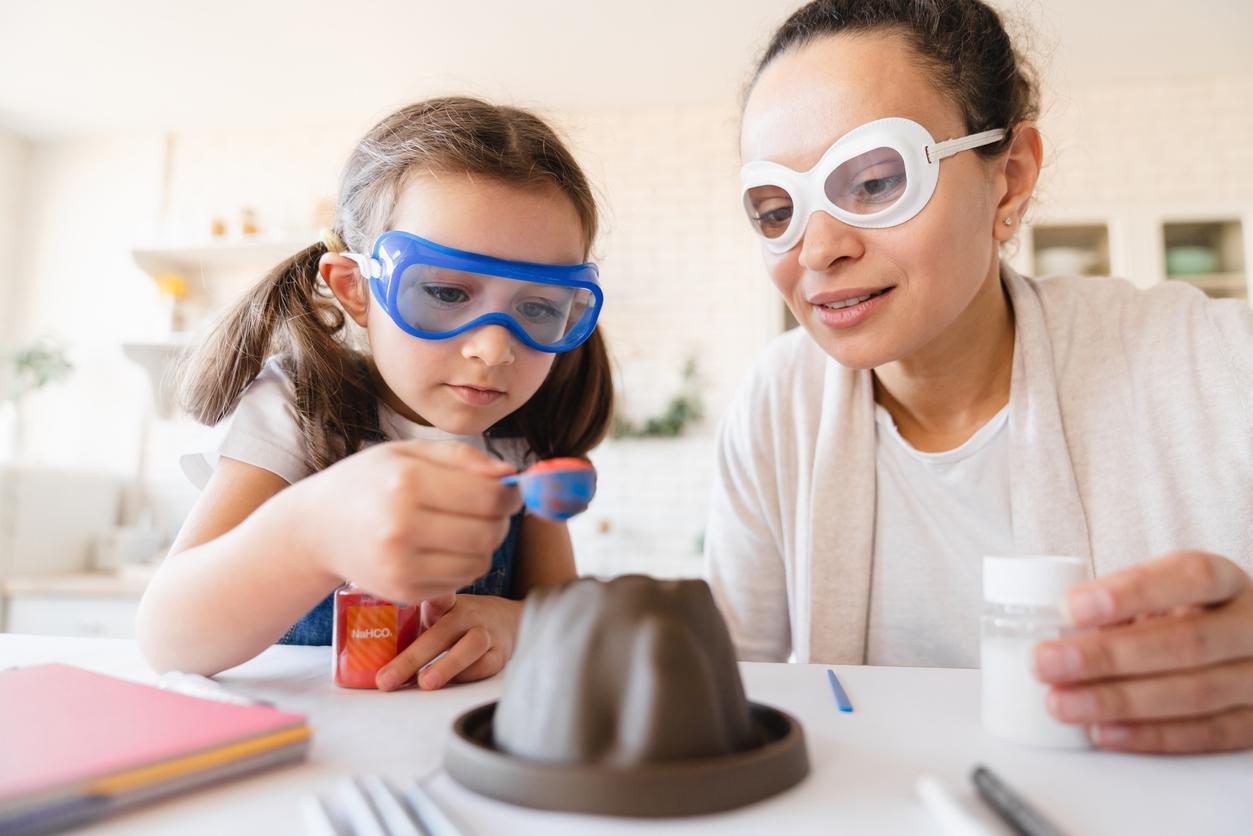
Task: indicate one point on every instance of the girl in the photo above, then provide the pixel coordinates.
(935, 406)
(460, 235)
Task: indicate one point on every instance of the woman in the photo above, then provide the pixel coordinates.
(935, 406)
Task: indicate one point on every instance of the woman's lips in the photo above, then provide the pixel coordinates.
(851, 307)
(474, 395)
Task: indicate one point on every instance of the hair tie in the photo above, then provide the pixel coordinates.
(331, 240)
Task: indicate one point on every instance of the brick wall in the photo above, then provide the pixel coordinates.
(681, 270)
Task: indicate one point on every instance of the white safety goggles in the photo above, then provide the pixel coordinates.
(877, 175)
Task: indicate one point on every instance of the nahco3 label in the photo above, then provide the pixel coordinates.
(373, 633)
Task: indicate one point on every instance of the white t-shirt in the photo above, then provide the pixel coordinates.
(263, 432)
(937, 514)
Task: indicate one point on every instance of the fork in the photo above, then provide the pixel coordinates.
(369, 805)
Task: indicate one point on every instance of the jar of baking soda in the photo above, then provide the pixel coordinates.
(369, 633)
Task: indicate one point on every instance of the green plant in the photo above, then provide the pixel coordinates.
(35, 366)
(684, 408)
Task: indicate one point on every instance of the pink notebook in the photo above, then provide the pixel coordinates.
(64, 729)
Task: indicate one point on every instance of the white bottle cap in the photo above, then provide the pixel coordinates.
(1031, 581)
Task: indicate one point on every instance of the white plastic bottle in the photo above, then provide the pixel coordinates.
(1023, 606)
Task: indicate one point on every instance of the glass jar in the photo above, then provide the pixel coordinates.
(369, 633)
(1022, 607)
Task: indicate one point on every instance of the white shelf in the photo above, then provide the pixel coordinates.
(201, 263)
(1222, 274)
(158, 358)
(1218, 285)
(1213, 281)
(192, 259)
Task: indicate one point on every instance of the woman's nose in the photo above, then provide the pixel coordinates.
(492, 345)
(827, 240)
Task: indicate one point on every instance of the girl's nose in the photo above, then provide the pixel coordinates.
(492, 345)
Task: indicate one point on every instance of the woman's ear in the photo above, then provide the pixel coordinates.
(1020, 171)
(344, 279)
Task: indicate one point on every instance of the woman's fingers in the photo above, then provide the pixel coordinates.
(1159, 585)
(1190, 639)
(1188, 694)
(1226, 731)
(1172, 670)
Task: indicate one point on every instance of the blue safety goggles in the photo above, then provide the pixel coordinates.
(436, 292)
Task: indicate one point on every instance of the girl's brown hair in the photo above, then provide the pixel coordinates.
(290, 312)
(962, 43)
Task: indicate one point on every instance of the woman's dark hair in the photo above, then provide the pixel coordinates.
(292, 314)
(961, 43)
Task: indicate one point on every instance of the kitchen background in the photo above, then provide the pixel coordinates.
(156, 159)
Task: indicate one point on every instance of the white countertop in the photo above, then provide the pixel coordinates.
(128, 585)
(863, 765)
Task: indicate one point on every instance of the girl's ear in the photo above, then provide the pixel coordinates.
(344, 279)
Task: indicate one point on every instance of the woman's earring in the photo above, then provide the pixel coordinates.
(1008, 221)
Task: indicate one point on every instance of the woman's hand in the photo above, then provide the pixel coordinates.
(405, 520)
(1170, 668)
(477, 631)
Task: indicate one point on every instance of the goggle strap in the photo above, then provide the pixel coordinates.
(369, 267)
(948, 148)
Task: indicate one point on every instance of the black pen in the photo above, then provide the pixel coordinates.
(1016, 812)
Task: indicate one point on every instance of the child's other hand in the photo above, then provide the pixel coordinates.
(478, 632)
(434, 608)
(406, 520)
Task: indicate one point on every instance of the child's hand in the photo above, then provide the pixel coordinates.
(478, 632)
(406, 520)
(434, 608)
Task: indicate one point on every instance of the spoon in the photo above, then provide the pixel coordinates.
(556, 489)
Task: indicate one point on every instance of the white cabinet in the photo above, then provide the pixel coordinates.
(110, 618)
(1206, 249)
(49, 518)
(84, 604)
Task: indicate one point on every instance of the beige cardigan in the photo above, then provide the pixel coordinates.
(1131, 435)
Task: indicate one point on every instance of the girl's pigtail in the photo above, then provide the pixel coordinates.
(289, 314)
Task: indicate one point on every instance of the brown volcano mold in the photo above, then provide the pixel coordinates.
(623, 698)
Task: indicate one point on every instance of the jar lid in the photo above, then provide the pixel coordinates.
(1031, 580)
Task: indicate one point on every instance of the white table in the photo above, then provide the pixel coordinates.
(863, 765)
